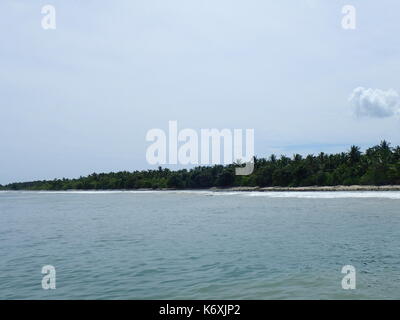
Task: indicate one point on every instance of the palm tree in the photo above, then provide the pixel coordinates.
(354, 154)
(396, 153)
(384, 151)
(297, 157)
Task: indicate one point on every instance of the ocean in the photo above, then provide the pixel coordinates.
(199, 244)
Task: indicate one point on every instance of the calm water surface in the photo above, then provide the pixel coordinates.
(199, 245)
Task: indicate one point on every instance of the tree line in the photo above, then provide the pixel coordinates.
(378, 165)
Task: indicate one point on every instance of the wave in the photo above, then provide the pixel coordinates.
(327, 194)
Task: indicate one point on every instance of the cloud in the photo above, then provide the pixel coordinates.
(375, 103)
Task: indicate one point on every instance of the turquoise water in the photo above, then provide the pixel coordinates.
(199, 245)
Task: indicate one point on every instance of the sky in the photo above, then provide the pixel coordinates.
(81, 98)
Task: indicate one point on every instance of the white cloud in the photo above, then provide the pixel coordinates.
(375, 103)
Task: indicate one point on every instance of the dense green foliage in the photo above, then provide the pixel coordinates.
(379, 165)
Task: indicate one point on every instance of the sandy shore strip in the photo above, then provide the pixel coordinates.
(314, 188)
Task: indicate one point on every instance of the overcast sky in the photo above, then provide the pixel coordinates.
(81, 98)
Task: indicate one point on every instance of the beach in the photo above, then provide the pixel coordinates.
(314, 188)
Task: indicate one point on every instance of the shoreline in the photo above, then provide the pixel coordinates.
(339, 188)
(314, 188)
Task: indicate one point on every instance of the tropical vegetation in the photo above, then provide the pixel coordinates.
(378, 165)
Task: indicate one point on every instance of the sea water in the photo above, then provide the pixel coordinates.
(199, 244)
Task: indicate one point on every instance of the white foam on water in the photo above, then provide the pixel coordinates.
(326, 194)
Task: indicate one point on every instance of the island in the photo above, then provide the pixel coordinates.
(376, 169)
